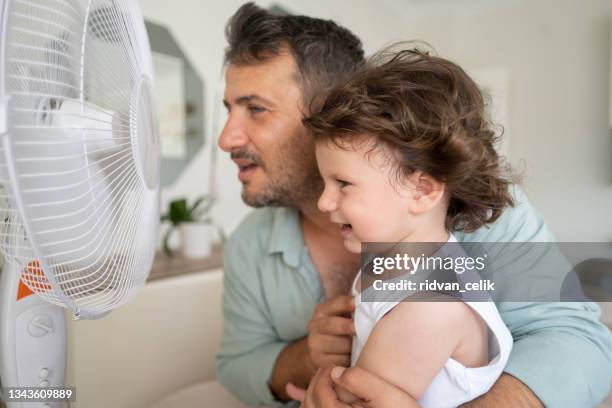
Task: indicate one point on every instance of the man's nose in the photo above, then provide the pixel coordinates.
(233, 134)
(327, 202)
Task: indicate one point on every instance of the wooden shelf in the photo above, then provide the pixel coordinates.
(165, 267)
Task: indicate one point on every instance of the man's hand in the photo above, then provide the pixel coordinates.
(373, 391)
(330, 332)
(507, 392)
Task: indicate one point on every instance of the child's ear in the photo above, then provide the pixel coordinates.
(427, 193)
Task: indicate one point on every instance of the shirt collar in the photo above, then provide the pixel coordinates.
(286, 236)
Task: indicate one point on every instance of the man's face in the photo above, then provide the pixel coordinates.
(265, 136)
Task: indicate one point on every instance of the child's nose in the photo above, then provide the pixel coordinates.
(327, 201)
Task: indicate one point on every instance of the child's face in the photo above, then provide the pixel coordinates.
(361, 197)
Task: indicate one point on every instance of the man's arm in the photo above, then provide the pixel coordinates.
(568, 363)
(249, 346)
(328, 343)
(293, 365)
(561, 351)
(381, 394)
(507, 392)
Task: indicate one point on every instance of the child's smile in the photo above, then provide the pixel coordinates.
(346, 230)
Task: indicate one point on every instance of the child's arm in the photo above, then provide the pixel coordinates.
(411, 343)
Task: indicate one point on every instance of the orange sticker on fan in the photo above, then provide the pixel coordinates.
(34, 275)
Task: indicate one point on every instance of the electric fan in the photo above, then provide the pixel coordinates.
(79, 174)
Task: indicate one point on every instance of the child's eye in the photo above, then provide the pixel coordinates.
(343, 183)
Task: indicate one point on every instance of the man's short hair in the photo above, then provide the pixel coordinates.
(325, 53)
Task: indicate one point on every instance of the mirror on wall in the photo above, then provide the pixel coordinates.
(180, 103)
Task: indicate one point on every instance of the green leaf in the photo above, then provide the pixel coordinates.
(179, 211)
(197, 202)
(202, 207)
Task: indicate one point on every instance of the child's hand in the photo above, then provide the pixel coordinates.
(299, 394)
(347, 397)
(322, 393)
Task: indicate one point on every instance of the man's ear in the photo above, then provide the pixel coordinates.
(427, 192)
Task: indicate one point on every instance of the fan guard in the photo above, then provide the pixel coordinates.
(79, 151)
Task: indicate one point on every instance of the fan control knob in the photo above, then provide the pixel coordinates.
(40, 325)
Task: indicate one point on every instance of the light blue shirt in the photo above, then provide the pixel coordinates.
(561, 350)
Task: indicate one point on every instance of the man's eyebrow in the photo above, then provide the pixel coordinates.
(243, 100)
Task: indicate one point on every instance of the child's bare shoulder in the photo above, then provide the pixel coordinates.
(433, 310)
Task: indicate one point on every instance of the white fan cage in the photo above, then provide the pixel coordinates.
(79, 157)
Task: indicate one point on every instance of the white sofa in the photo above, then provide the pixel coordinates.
(163, 341)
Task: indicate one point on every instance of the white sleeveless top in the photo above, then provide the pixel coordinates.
(455, 384)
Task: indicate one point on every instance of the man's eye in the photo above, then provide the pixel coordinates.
(343, 183)
(255, 109)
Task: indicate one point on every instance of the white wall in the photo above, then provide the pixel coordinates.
(556, 53)
(556, 56)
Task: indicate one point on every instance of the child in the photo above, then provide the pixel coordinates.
(407, 155)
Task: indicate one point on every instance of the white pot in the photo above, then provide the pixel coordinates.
(197, 239)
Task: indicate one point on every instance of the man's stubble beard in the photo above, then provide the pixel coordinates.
(294, 182)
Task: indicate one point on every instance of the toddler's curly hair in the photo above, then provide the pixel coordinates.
(432, 114)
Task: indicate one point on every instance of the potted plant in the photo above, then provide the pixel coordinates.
(196, 226)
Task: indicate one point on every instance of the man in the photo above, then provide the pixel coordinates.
(287, 273)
